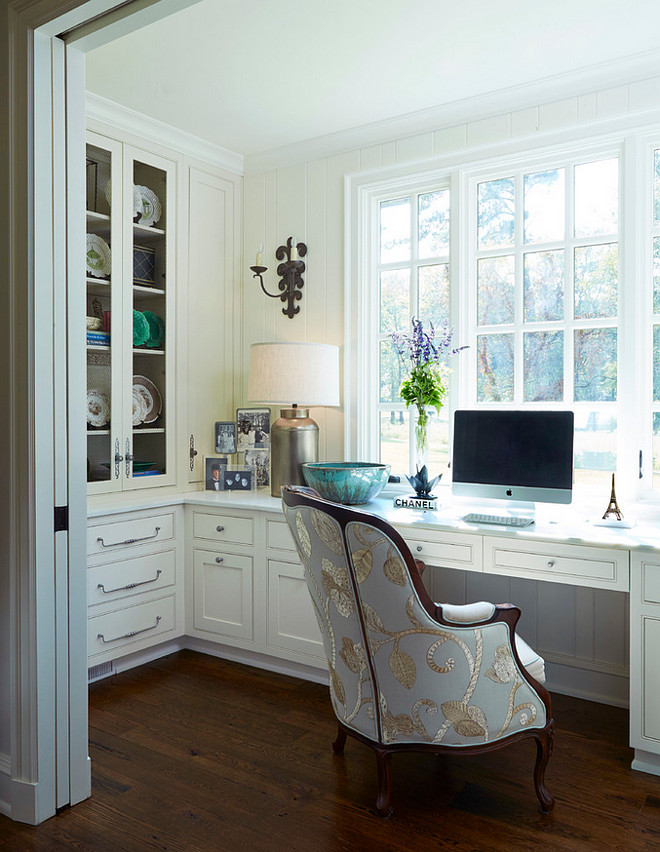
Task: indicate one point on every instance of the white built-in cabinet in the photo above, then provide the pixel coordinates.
(181, 273)
(245, 587)
(131, 334)
(134, 582)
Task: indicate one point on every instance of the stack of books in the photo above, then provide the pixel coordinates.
(98, 338)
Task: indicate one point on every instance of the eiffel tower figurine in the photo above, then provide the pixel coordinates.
(613, 506)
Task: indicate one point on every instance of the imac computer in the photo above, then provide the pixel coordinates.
(521, 456)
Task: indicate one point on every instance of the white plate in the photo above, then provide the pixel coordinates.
(139, 406)
(98, 256)
(151, 396)
(98, 408)
(148, 206)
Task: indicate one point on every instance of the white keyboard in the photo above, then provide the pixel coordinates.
(502, 520)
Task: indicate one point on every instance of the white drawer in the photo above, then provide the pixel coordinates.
(223, 528)
(578, 565)
(278, 536)
(650, 585)
(113, 536)
(453, 550)
(133, 625)
(128, 577)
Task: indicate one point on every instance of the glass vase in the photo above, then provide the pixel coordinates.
(421, 439)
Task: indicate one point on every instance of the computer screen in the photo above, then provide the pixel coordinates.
(513, 455)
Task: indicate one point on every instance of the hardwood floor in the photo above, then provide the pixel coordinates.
(195, 753)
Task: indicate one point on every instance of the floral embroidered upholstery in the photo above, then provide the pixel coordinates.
(321, 548)
(456, 685)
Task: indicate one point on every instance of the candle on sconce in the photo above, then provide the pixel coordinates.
(260, 255)
(294, 249)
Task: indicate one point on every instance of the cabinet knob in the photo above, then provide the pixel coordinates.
(219, 559)
(219, 529)
(419, 548)
(551, 563)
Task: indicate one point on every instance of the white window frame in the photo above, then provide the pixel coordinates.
(634, 146)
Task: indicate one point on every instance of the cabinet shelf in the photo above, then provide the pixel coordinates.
(93, 216)
(91, 432)
(97, 347)
(148, 352)
(149, 431)
(147, 232)
(141, 290)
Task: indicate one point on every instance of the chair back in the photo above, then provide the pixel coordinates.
(399, 672)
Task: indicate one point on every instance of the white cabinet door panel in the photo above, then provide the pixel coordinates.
(292, 625)
(222, 589)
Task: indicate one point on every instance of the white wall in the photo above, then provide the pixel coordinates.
(305, 195)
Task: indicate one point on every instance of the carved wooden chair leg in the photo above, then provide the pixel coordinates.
(383, 759)
(543, 752)
(338, 744)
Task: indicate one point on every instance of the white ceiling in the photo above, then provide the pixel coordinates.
(254, 75)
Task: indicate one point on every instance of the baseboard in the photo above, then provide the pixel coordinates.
(602, 687)
(18, 799)
(577, 680)
(260, 661)
(140, 658)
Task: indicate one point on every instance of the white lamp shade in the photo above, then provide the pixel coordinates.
(306, 374)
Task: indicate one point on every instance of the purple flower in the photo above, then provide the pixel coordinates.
(421, 347)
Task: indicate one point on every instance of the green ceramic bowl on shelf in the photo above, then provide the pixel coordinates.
(351, 483)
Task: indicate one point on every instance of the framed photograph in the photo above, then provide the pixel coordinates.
(238, 480)
(253, 428)
(259, 461)
(214, 469)
(225, 437)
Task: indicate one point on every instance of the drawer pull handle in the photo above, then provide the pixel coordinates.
(129, 540)
(219, 529)
(132, 633)
(419, 548)
(219, 559)
(551, 563)
(130, 585)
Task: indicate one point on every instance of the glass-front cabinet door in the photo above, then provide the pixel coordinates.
(130, 296)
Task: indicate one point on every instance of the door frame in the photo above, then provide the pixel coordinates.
(44, 762)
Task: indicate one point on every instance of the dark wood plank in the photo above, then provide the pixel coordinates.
(195, 753)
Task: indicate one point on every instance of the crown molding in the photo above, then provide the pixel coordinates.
(151, 129)
(621, 72)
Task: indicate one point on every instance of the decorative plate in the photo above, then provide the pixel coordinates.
(139, 407)
(156, 330)
(137, 200)
(98, 408)
(141, 330)
(98, 256)
(151, 396)
(149, 206)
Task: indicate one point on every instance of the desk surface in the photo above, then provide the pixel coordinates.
(568, 524)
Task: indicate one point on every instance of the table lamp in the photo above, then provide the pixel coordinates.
(293, 375)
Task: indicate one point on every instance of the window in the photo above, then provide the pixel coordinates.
(545, 285)
(412, 277)
(549, 271)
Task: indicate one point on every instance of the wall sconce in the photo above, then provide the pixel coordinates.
(290, 272)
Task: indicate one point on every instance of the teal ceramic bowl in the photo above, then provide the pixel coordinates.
(351, 483)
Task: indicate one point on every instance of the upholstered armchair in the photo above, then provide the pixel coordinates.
(407, 674)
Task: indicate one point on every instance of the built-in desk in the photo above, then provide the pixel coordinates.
(245, 591)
